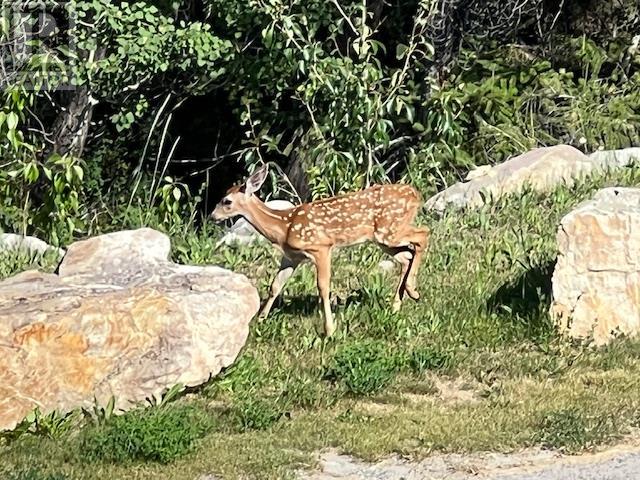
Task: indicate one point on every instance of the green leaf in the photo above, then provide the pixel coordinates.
(79, 172)
(401, 51)
(12, 120)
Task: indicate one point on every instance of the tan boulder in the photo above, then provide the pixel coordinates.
(596, 281)
(119, 320)
(542, 169)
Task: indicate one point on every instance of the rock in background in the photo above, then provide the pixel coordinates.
(119, 320)
(596, 282)
(32, 245)
(543, 169)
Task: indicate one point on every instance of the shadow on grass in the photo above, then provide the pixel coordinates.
(305, 304)
(527, 299)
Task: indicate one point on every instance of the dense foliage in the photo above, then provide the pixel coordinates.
(138, 113)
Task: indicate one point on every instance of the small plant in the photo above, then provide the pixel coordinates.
(166, 397)
(307, 392)
(13, 262)
(256, 413)
(365, 367)
(430, 358)
(155, 434)
(101, 415)
(244, 376)
(572, 430)
(54, 425)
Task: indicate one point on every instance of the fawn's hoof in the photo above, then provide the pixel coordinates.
(329, 330)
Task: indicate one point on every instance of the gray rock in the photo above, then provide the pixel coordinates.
(543, 169)
(616, 158)
(120, 320)
(619, 463)
(13, 241)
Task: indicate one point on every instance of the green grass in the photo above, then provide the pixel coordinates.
(149, 435)
(474, 365)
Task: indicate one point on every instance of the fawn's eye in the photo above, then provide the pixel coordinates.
(226, 202)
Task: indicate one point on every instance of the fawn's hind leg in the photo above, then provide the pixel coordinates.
(420, 242)
(407, 246)
(405, 258)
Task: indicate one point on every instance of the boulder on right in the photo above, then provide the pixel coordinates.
(596, 282)
(542, 169)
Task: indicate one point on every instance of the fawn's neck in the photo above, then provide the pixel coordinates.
(271, 224)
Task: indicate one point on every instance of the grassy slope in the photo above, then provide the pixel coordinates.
(474, 365)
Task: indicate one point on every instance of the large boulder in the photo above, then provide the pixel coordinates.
(119, 320)
(542, 169)
(596, 282)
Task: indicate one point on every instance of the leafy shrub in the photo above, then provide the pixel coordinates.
(155, 434)
(256, 413)
(365, 367)
(572, 430)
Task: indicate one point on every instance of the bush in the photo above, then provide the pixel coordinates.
(156, 434)
(365, 367)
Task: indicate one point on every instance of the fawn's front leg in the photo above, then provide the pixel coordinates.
(287, 267)
(322, 260)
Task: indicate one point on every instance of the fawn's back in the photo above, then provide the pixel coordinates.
(376, 213)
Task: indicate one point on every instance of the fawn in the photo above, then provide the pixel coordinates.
(381, 213)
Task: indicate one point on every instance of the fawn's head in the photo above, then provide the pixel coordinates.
(234, 201)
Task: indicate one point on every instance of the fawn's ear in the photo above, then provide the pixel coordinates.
(255, 181)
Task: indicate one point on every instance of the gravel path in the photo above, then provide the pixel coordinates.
(620, 463)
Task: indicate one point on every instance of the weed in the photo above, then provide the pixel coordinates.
(430, 358)
(154, 434)
(99, 414)
(256, 413)
(572, 430)
(244, 376)
(166, 397)
(307, 392)
(54, 425)
(365, 367)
